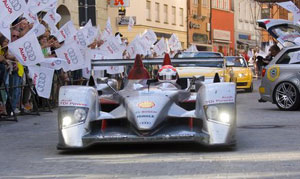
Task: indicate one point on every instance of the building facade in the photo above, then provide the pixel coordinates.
(198, 16)
(163, 17)
(69, 10)
(247, 36)
(222, 25)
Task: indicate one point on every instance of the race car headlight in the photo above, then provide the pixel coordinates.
(224, 117)
(70, 116)
(79, 114)
(218, 114)
(212, 112)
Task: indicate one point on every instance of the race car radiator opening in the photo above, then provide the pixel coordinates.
(124, 126)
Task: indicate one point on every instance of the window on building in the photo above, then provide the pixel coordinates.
(157, 12)
(214, 3)
(265, 13)
(148, 10)
(226, 4)
(204, 3)
(220, 4)
(165, 13)
(173, 15)
(196, 2)
(181, 16)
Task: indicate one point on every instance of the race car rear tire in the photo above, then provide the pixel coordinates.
(286, 96)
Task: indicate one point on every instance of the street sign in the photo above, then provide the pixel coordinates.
(119, 3)
(122, 11)
(125, 20)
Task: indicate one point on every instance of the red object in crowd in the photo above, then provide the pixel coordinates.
(167, 60)
(246, 57)
(138, 72)
(263, 72)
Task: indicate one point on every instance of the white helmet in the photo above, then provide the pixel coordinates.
(167, 74)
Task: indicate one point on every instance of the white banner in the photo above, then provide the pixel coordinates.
(36, 6)
(107, 32)
(38, 29)
(27, 50)
(160, 47)
(68, 30)
(31, 17)
(290, 6)
(11, 10)
(42, 78)
(5, 30)
(130, 24)
(91, 32)
(115, 70)
(52, 18)
(112, 49)
(149, 37)
(71, 52)
(174, 43)
(192, 48)
(55, 63)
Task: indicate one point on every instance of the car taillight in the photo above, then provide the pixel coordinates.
(263, 72)
(267, 22)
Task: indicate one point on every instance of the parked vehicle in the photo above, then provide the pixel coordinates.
(242, 72)
(281, 78)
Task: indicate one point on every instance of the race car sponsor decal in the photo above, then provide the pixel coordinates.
(219, 94)
(146, 104)
(273, 73)
(71, 103)
(223, 99)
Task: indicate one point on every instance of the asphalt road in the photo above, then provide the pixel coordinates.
(268, 147)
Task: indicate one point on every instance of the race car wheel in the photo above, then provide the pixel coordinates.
(286, 96)
(250, 89)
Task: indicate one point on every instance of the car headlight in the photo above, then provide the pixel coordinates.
(241, 75)
(72, 116)
(218, 114)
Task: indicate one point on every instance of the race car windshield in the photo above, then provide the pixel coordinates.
(210, 59)
(236, 61)
(286, 32)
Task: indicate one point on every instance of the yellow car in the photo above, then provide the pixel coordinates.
(210, 64)
(241, 71)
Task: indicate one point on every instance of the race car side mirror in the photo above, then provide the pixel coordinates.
(102, 80)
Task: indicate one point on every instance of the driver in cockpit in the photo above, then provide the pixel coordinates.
(168, 76)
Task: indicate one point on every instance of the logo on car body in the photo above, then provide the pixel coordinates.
(146, 104)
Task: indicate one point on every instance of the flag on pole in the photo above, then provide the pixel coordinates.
(72, 54)
(42, 78)
(11, 10)
(27, 50)
(160, 47)
(130, 24)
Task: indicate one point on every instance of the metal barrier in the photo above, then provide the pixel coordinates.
(39, 104)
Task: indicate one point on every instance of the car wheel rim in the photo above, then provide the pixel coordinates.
(286, 95)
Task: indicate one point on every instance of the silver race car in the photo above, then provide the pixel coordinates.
(147, 110)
